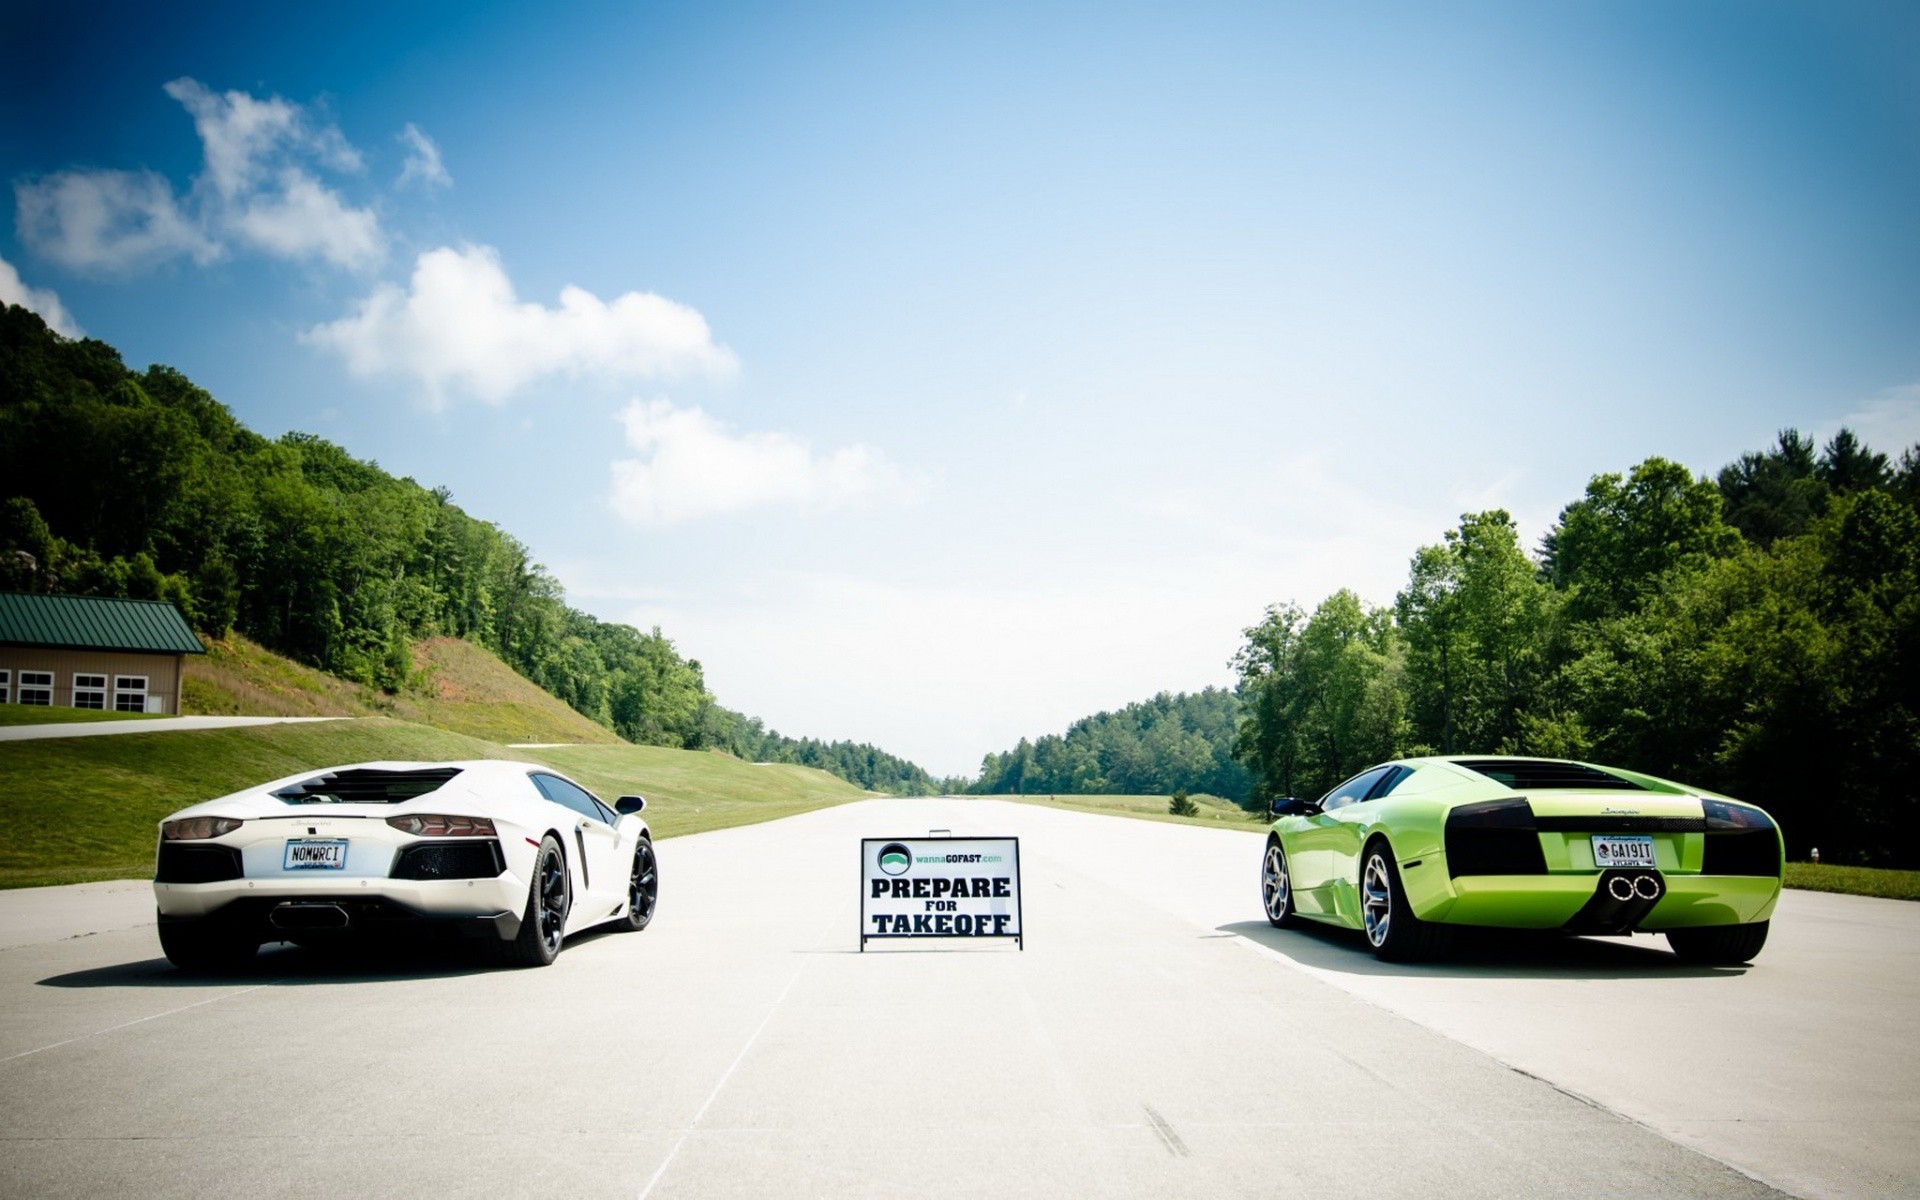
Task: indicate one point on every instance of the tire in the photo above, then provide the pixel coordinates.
(543, 925)
(1719, 945)
(643, 889)
(1387, 920)
(1276, 887)
(205, 946)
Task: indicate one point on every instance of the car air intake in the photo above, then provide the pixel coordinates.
(196, 864)
(465, 859)
(1494, 837)
(367, 785)
(1539, 775)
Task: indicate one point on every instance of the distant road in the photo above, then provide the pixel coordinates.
(1156, 1038)
(28, 733)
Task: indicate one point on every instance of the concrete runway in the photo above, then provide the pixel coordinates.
(1155, 1038)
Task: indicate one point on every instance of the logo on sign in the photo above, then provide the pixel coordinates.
(895, 859)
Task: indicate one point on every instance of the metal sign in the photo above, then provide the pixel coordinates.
(940, 887)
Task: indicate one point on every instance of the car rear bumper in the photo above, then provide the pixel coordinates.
(1556, 901)
(427, 898)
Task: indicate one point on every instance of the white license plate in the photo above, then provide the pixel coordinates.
(315, 856)
(1634, 851)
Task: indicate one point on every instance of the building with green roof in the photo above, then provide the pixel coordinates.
(93, 652)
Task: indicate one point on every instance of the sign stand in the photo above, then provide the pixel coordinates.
(940, 887)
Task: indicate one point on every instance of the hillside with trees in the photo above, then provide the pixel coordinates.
(1170, 743)
(1758, 634)
(125, 483)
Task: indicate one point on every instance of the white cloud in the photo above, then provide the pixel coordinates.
(253, 188)
(236, 132)
(302, 219)
(458, 324)
(1890, 422)
(423, 160)
(13, 290)
(692, 466)
(101, 221)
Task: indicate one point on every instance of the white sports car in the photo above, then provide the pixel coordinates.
(513, 853)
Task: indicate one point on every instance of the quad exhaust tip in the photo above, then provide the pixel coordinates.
(1621, 888)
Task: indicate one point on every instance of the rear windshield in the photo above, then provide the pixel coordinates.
(367, 786)
(1530, 775)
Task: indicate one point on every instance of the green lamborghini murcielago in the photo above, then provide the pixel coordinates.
(1409, 850)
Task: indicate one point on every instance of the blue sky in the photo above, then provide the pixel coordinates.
(938, 375)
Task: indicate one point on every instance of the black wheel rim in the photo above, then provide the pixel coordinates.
(553, 900)
(1274, 883)
(644, 885)
(1376, 900)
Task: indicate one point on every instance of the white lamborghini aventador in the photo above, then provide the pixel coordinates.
(512, 853)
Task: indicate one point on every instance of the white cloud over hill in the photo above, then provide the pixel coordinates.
(258, 189)
(14, 290)
(458, 325)
(693, 466)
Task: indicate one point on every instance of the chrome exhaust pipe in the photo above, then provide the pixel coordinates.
(1621, 888)
(1646, 887)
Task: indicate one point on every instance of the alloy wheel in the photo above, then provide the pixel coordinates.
(1274, 883)
(553, 900)
(1376, 899)
(643, 886)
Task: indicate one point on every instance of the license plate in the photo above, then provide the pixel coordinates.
(315, 856)
(1618, 851)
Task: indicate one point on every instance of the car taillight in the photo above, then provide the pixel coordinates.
(193, 829)
(1722, 816)
(436, 825)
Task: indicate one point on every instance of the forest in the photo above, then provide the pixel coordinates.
(1170, 743)
(1757, 634)
(141, 484)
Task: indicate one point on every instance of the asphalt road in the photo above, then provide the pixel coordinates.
(1154, 1038)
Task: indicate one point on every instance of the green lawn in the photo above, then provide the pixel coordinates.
(689, 791)
(34, 714)
(1214, 812)
(1854, 881)
(77, 809)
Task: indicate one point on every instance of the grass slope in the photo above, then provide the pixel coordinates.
(458, 686)
(469, 689)
(1854, 881)
(1214, 812)
(688, 791)
(76, 809)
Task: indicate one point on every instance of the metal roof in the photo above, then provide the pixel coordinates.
(95, 623)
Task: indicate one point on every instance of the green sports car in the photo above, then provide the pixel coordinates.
(1409, 850)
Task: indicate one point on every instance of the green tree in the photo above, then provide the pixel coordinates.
(1612, 549)
(1775, 494)
(1323, 696)
(1479, 625)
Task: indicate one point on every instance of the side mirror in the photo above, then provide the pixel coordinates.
(627, 806)
(1288, 806)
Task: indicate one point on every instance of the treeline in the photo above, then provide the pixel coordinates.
(141, 484)
(869, 766)
(1170, 743)
(1758, 634)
